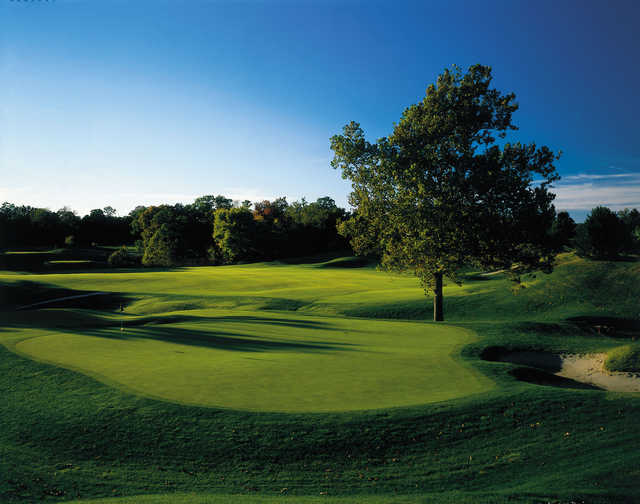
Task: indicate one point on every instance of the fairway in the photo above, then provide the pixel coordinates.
(270, 362)
(257, 383)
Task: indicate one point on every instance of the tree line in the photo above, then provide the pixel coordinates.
(27, 226)
(217, 230)
(211, 230)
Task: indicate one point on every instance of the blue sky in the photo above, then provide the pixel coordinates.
(124, 103)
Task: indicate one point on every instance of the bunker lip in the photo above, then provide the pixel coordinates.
(565, 370)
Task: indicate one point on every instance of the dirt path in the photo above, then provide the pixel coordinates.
(585, 368)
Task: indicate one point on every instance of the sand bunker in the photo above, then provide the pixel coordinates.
(583, 368)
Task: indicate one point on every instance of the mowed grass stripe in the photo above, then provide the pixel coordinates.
(262, 361)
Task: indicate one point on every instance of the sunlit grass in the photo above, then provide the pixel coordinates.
(488, 437)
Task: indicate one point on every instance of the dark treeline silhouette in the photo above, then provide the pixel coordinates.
(604, 234)
(27, 226)
(212, 229)
(607, 235)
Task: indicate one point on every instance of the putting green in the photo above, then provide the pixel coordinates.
(261, 361)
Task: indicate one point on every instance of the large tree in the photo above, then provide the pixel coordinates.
(444, 190)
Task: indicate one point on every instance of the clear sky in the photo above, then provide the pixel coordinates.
(123, 103)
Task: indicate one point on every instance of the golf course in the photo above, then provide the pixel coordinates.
(313, 382)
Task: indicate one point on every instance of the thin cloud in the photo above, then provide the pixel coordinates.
(584, 176)
(588, 195)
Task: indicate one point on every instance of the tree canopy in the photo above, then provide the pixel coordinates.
(445, 190)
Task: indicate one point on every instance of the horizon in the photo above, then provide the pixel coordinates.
(241, 99)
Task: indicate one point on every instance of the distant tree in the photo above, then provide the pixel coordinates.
(563, 230)
(159, 230)
(46, 227)
(69, 220)
(109, 211)
(234, 233)
(122, 258)
(313, 226)
(209, 204)
(602, 235)
(103, 226)
(441, 192)
(630, 218)
(161, 247)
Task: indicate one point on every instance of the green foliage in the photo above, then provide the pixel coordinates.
(602, 236)
(276, 230)
(175, 234)
(161, 247)
(625, 358)
(234, 232)
(123, 258)
(441, 193)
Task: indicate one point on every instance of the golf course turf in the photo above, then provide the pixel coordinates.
(271, 363)
(309, 383)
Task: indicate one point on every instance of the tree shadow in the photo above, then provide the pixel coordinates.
(215, 339)
(90, 321)
(541, 360)
(539, 377)
(25, 294)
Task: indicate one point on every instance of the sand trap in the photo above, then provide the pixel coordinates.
(583, 368)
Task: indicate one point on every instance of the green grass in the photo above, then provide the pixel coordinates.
(625, 358)
(489, 438)
(323, 498)
(266, 362)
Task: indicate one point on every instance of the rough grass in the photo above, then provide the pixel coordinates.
(625, 358)
(65, 436)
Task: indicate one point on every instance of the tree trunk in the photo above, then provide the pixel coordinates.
(438, 313)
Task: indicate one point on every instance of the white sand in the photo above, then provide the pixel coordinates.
(585, 368)
(590, 369)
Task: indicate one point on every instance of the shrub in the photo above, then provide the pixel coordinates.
(625, 358)
(122, 258)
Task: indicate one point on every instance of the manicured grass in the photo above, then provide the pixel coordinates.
(65, 436)
(574, 289)
(265, 362)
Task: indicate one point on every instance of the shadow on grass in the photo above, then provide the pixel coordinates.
(539, 377)
(91, 323)
(216, 339)
(540, 369)
(24, 294)
(609, 326)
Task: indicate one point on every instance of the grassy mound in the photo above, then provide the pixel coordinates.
(504, 435)
(625, 358)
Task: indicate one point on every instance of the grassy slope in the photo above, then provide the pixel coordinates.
(63, 435)
(625, 358)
